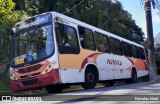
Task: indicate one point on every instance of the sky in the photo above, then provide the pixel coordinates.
(135, 8)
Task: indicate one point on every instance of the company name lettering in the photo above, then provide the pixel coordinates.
(113, 62)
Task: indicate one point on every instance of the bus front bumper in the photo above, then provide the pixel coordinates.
(38, 82)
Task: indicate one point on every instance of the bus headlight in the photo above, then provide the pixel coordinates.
(13, 77)
(48, 69)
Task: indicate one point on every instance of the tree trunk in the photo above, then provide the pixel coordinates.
(150, 41)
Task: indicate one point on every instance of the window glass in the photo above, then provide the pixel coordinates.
(32, 45)
(86, 38)
(115, 46)
(134, 51)
(141, 53)
(102, 42)
(66, 39)
(126, 49)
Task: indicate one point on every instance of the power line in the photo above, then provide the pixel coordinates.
(68, 10)
(142, 4)
(155, 4)
(157, 7)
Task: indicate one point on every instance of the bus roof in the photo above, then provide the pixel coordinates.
(94, 28)
(74, 21)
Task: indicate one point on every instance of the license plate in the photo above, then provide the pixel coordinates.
(20, 61)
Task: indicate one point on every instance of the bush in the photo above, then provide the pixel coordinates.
(4, 78)
(144, 78)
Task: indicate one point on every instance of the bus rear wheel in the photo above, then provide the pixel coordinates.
(133, 78)
(54, 88)
(91, 78)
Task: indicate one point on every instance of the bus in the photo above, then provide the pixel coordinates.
(51, 50)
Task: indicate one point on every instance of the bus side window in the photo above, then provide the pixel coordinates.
(141, 53)
(134, 51)
(67, 39)
(102, 42)
(86, 38)
(126, 49)
(115, 46)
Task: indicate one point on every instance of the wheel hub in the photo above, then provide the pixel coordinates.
(90, 78)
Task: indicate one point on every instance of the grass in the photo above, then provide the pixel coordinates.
(144, 78)
(4, 86)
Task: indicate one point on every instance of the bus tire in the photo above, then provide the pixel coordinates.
(133, 78)
(91, 78)
(54, 88)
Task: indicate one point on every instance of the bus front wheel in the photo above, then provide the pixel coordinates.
(54, 88)
(91, 78)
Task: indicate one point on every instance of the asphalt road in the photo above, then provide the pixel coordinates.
(142, 92)
(139, 93)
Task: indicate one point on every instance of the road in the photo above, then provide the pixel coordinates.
(140, 93)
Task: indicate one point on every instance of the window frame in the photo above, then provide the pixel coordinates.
(67, 49)
(137, 54)
(140, 54)
(113, 52)
(129, 52)
(93, 38)
(107, 40)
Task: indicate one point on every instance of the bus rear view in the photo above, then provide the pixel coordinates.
(33, 56)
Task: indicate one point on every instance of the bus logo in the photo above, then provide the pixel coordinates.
(114, 62)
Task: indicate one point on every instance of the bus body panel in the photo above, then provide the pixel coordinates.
(109, 68)
(70, 68)
(106, 70)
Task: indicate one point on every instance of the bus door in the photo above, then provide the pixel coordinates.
(69, 50)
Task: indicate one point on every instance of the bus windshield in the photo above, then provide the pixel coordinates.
(32, 44)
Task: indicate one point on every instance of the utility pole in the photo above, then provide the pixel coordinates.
(150, 41)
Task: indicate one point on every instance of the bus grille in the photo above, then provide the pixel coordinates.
(29, 69)
(30, 82)
(31, 75)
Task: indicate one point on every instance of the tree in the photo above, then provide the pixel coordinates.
(104, 14)
(8, 18)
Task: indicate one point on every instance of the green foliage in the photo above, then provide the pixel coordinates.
(104, 14)
(8, 18)
(6, 7)
(8, 22)
(144, 78)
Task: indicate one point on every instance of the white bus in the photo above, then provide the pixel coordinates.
(52, 50)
